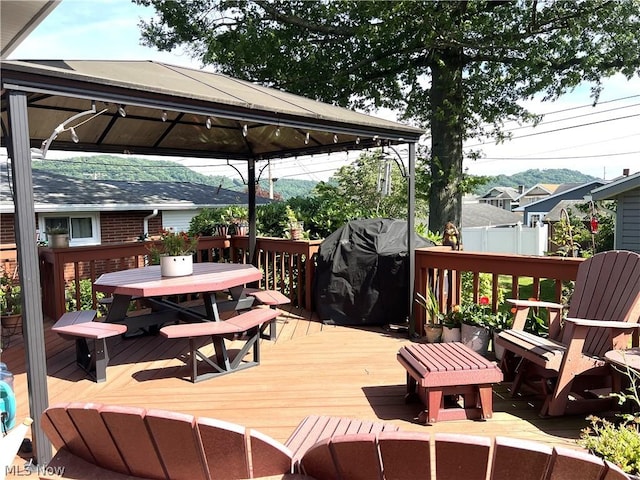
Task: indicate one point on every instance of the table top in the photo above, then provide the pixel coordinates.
(629, 357)
(206, 277)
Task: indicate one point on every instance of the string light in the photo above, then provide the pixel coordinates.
(122, 111)
(357, 140)
(335, 138)
(278, 132)
(245, 130)
(164, 116)
(208, 123)
(306, 138)
(74, 135)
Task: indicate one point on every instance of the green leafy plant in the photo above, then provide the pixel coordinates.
(481, 315)
(430, 304)
(85, 296)
(177, 243)
(618, 441)
(57, 230)
(10, 294)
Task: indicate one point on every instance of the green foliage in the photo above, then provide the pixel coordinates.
(464, 79)
(10, 294)
(207, 221)
(618, 442)
(572, 236)
(178, 243)
(86, 299)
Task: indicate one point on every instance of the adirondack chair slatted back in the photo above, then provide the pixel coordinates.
(409, 456)
(607, 287)
(159, 444)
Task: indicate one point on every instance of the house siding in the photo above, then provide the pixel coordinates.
(628, 222)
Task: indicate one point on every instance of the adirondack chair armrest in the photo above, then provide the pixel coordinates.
(577, 328)
(522, 311)
(603, 324)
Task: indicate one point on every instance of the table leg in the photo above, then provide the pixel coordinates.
(211, 306)
(118, 309)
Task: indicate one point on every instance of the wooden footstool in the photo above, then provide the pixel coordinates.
(437, 370)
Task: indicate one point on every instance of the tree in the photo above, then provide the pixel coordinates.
(456, 68)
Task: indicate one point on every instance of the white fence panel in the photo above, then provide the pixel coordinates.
(518, 239)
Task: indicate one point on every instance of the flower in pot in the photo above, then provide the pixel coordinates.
(176, 253)
(477, 321)
(433, 326)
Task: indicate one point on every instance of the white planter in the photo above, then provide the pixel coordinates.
(176, 266)
(58, 240)
(476, 338)
(450, 334)
(433, 333)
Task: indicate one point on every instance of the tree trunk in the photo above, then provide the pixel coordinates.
(447, 132)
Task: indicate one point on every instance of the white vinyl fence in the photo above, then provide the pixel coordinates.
(517, 239)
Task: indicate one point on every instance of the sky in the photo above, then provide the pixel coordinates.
(600, 141)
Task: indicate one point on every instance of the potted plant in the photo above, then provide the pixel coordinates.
(451, 325)
(10, 304)
(477, 320)
(295, 226)
(433, 327)
(176, 255)
(58, 236)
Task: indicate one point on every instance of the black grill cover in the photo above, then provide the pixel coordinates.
(361, 275)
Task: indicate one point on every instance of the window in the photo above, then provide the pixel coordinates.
(83, 228)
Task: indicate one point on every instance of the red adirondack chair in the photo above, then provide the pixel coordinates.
(603, 313)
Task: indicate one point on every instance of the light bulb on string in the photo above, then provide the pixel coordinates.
(164, 116)
(122, 111)
(278, 132)
(74, 135)
(306, 138)
(335, 138)
(208, 123)
(245, 130)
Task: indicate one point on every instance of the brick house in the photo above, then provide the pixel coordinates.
(103, 211)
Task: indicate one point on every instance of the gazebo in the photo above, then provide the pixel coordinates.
(150, 108)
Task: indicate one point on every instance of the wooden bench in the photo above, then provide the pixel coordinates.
(273, 298)
(93, 440)
(249, 322)
(91, 340)
(315, 428)
(436, 370)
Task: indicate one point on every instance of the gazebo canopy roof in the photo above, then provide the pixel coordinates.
(208, 115)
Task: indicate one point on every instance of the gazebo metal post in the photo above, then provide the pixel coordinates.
(33, 324)
(251, 187)
(411, 212)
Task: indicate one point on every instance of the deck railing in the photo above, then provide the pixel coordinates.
(441, 269)
(289, 266)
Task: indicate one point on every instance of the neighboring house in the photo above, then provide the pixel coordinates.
(502, 197)
(536, 211)
(626, 191)
(103, 211)
(536, 193)
(485, 215)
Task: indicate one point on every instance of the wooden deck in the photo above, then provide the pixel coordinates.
(311, 369)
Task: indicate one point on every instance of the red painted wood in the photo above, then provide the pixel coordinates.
(206, 277)
(237, 324)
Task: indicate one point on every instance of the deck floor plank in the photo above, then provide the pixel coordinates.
(310, 369)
